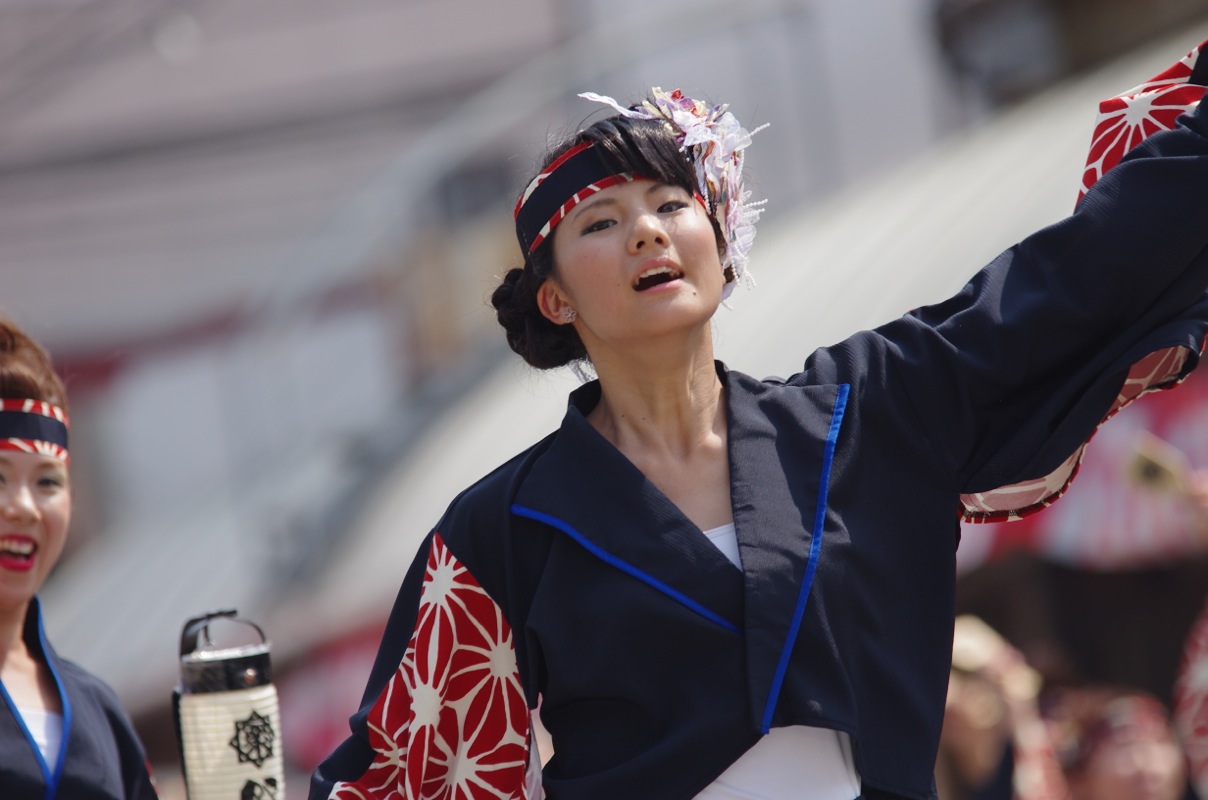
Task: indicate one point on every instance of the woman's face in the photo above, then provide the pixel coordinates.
(1133, 767)
(635, 261)
(35, 509)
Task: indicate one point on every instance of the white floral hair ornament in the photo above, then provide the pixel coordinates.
(716, 140)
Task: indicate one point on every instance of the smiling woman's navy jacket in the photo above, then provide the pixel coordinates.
(100, 756)
(565, 576)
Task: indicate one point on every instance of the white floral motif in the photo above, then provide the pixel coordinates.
(1128, 118)
(453, 723)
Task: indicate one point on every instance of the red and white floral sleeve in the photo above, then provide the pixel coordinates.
(1124, 121)
(452, 723)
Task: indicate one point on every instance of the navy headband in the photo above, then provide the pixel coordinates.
(570, 179)
(33, 426)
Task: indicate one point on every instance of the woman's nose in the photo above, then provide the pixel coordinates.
(17, 504)
(647, 230)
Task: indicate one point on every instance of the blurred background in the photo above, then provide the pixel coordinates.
(258, 237)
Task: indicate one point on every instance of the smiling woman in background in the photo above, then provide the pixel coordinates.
(63, 735)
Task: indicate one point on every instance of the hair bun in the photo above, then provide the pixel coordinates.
(541, 343)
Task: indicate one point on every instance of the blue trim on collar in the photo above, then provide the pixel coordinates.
(29, 739)
(53, 788)
(52, 779)
(625, 566)
(811, 566)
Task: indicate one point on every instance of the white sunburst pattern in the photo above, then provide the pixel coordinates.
(453, 723)
(1127, 119)
(40, 407)
(37, 446)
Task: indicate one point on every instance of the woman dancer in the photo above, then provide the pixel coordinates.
(723, 587)
(63, 734)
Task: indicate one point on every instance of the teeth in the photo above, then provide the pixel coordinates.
(651, 277)
(18, 547)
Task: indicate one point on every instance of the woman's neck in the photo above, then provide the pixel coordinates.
(12, 629)
(26, 679)
(668, 417)
(662, 401)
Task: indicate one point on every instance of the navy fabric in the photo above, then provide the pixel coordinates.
(580, 170)
(103, 758)
(647, 697)
(24, 425)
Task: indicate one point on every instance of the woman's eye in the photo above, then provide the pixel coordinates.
(52, 482)
(598, 225)
(672, 205)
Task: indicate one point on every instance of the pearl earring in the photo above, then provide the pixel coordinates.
(569, 315)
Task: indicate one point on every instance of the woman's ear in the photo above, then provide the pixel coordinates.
(552, 303)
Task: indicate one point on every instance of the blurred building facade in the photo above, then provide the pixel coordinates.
(258, 237)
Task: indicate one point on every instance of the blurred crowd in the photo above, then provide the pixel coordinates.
(1080, 656)
(1010, 736)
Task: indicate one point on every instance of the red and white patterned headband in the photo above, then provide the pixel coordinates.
(33, 426)
(570, 179)
(716, 141)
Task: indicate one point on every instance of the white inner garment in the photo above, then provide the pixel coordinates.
(787, 759)
(46, 728)
(725, 538)
(796, 763)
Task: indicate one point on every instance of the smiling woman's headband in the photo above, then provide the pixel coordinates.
(33, 426)
(711, 134)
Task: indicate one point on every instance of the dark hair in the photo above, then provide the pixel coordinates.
(25, 369)
(644, 147)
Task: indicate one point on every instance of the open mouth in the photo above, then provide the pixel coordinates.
(656, 277)
(14, 549)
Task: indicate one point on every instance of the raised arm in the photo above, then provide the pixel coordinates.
(1010, 377)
